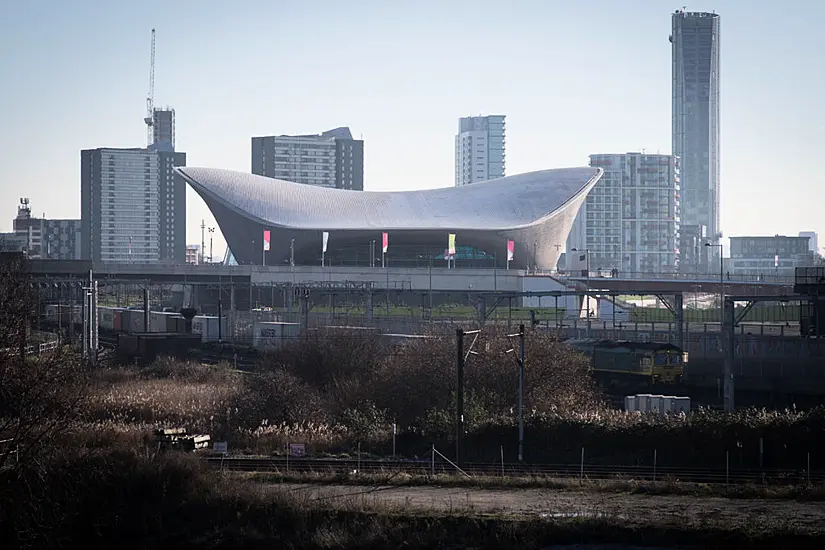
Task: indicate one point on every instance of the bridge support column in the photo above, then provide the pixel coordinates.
(369, 306)
(146, 308)
(305, 309)
(728, 336)
(679, 317)
(188, 299)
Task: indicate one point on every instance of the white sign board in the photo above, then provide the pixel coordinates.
(297, 449)
(220, 447)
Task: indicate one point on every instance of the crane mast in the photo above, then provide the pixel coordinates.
(150, 97)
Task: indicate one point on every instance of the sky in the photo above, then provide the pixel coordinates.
(573, 78)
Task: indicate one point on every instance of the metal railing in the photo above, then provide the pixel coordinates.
(729, 278)
(39, 349)
(721, 475)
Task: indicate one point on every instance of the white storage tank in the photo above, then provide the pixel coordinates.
(274, 334)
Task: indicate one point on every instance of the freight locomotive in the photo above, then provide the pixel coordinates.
(614, 362)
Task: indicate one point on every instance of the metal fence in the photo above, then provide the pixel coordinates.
(700, 340)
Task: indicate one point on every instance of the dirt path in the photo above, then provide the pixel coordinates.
(753, 514)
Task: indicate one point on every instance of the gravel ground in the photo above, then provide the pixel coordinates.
(640, 510)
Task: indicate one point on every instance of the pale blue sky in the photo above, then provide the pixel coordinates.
(573, 78)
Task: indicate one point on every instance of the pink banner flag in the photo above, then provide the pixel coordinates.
(385, 242)
(266, 239)
(511, 248)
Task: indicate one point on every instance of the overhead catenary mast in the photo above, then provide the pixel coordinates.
(150, 97)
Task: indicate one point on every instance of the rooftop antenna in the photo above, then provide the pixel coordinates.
(150, 97)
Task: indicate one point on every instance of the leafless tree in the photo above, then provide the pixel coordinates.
(39, 394)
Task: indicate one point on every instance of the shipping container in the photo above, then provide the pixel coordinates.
(118, 319)
(207, 327)
(106, 318)
(160, 321)
(274, 334)
(132, 320)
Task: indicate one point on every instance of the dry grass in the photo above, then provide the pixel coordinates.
(398, 478)
(126, 405)
(107, 499)
(197, 405)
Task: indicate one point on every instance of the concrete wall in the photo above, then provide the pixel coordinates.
(408, 279)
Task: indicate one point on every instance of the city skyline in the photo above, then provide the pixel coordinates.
(770, 125)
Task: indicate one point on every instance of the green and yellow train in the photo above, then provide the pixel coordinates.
(613, 361)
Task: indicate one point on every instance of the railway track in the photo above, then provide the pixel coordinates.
(556, 471)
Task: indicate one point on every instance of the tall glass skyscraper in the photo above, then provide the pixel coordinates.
(695, 47)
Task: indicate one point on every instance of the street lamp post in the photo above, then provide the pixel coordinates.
(587, 278)
(211, 231)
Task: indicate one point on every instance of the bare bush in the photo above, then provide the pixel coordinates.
(336, 363)
(39, 395)
(421, 375)
(275, 397)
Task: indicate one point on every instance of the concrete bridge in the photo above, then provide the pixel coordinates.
(416, 279)
(689, 284)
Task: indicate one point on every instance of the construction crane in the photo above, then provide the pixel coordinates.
(150, 97)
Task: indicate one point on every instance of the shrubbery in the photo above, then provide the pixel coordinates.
(334, 392)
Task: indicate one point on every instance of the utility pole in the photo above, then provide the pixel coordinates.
(90, 321)
(521, 395)
(520, 363)
(203, 239)
(459, 393)
(460, 363)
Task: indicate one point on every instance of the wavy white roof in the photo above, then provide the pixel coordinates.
(501, 204)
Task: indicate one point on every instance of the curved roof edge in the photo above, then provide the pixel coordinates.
(509, 203)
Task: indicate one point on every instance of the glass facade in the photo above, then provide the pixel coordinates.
(630, 220)
(695, 125)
